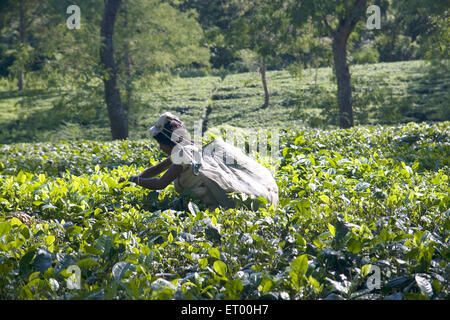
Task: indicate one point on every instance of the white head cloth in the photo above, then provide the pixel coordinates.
(162, 121)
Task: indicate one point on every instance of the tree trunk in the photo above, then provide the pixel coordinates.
(344, 90)
(340, 37)
(21, 76)
(262, 70)
(127, 58)
(117, 118)
(129, 81)
(21, 81)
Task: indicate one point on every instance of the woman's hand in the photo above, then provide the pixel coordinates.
(133, 179)
(122, 179)
(160, 183)
(143, 180)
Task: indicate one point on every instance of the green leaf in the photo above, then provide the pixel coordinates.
(49, 206)
(34, 275)
(424, 286)
(332, 229)
(324, 198)
(54, 285)
(15, 222)
(233, 288)
(365, 270)
(214, 252)
(119, 269)
(265, 286)
(414, 296)
(298, 270)
(130, 189)
(220, 267)
(87, 262)
(363, 186)
(315, 284)
(5, 227)
(193, 208)
(300, 265)
(25, 261)
(104, 243)
(49, 240)
(203, 262)
(21, 177)
(263, 200)
(212, 233)
(437, 179)
(43, 260)
(300, 240)
(354, 246)
(25, 231)
(112, 183)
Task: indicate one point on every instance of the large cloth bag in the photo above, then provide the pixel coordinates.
(225, 169)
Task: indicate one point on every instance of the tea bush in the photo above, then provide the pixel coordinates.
(350, 201)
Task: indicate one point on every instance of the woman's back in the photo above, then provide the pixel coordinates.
(224, 169)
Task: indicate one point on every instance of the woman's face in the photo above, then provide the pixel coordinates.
(165, 148)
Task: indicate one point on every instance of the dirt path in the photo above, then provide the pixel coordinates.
(209, 106)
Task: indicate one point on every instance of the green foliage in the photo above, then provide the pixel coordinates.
(149, 51)
(151, 39)
(383, 93)
(349, 199)
(366, 54)
(437, 43)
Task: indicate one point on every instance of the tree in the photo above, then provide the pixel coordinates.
(262, 27)
(154, 37)
(18, 19)
(118, 120)
(150, 39)
(338, 19)
(70, 62)
(429, 22)
(340, 35)
(215, 18)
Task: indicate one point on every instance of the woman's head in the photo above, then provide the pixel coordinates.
(163, 131)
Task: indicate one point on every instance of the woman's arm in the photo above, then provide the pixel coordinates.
(160, 183)
(156, 169)
(152, 171)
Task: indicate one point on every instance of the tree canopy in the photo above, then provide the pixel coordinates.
(156, 39)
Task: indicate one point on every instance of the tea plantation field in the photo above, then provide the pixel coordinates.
(383, 93)
(364, 214)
